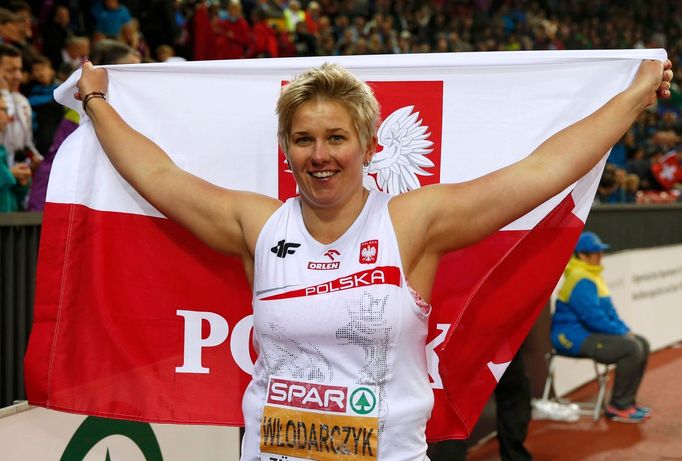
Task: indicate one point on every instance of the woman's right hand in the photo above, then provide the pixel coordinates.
(91, 80)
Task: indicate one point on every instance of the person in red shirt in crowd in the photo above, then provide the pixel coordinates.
(312, 17)
(264, 43)
(233, 34)
(202, 31)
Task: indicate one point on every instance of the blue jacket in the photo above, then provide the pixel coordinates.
(583, 307)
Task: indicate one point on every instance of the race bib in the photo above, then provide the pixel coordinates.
(312, 421)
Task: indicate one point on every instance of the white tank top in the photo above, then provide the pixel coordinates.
(341, 370)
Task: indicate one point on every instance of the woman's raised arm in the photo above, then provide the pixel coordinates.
(449, 216)
(227, 220)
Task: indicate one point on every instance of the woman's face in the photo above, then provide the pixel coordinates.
(325, 154)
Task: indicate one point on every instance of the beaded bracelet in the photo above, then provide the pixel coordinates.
(92, 95)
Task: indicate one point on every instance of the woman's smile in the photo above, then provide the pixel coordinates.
(325, 154)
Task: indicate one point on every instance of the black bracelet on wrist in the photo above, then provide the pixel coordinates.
(92, 95)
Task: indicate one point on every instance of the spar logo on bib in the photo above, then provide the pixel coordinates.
(311, 396)
(408, 154)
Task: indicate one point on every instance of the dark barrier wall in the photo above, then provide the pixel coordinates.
(626, 227)
(19, 237)
(622, 226)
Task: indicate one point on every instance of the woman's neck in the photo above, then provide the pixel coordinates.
(328, 224)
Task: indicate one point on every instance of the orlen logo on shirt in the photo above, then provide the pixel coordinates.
(408, 154)
(323, 266)
(311, 396)
(330, 264)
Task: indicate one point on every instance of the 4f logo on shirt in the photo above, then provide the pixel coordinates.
(369, 251)
(283, 248)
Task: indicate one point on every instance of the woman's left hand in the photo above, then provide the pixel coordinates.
(652, 81)
(92, 80)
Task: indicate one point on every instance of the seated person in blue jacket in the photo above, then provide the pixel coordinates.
(586, 324)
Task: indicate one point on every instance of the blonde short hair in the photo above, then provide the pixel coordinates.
(329, 82)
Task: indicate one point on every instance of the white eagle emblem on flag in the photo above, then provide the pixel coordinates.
(405, 146)
(369, 253)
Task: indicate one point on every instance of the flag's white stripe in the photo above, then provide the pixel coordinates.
(491, 58)
(216, 119)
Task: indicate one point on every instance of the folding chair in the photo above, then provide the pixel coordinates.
(586, 408)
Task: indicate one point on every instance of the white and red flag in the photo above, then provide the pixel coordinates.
(668, 170)
(137, 319)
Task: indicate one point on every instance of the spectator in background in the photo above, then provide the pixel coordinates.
(13, 180)
(359, 47)
(109, 17)
(312, 18)
(327, 45)
(130, 35)
(270, 9)
(405, 42)
(161, 22)
(234, 33)
(17, 136)
(303, 41)
(585, 324)
(613, 186)
(631, 188)
(24, 16)
(166, 53)
(285, 45)
(293, 14)
(47, 115)
(21, 32)
(264, 43)
(607, 184)
(324, 28)
(75, 49)
(56, 32)
(619, 152)
(341, 23)
(46, 111)
(375, 44)
(441, 44)
(344, 45)
(10, 27)
(202, 32)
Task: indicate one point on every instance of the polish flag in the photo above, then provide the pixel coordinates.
(137, 319)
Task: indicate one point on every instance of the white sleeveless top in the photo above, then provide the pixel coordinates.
(341, 370)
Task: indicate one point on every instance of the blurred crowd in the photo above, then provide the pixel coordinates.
(43, 41)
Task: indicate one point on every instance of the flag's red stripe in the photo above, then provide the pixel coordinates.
(113, 310)
(510, 276)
